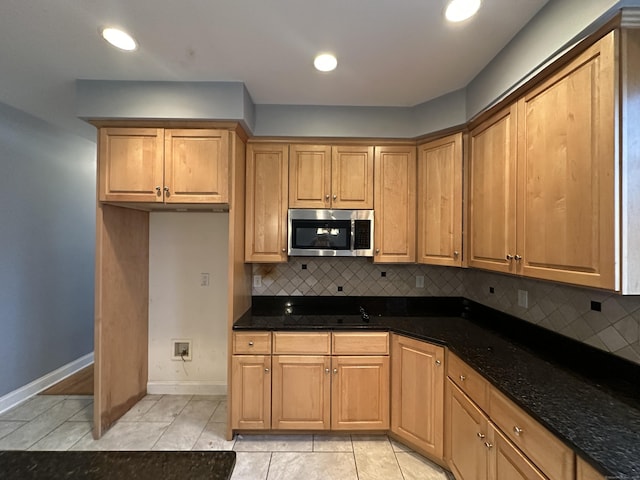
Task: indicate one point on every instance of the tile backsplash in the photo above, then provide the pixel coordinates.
(561, 308)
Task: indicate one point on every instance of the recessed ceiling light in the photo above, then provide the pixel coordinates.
(119, 38)
(325, 62)
(459, 10)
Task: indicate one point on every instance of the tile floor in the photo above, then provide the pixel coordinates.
(185, 422)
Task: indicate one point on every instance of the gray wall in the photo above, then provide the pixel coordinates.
(47, 235)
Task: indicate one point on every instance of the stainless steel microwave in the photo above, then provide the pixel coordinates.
(330, 233)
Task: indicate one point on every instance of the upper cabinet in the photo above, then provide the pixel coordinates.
(440, 201)
(266, 207)
(157, 165)
(395, 204)
(542, 189)
(338, 177)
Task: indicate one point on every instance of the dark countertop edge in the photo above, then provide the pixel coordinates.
(386, 324)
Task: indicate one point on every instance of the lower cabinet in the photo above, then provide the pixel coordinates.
(417, 398)
(476, 449)
(299, 385)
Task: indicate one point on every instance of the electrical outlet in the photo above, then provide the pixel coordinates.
(181, 349)
(204, 279)
(419, 281)
(257, 281)
(523, 298)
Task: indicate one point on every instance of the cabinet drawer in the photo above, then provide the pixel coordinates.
(470, 381)
(548, 453)
(302, 343)
(358, 343)
(252, 343)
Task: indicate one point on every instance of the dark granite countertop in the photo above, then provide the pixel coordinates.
(25, 465)
(589, 399)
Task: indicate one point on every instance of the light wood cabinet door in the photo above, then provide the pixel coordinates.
(417, 394)
(440, 201)
(584, 471)
(251, 392)
(310, 176)
(196, 164)
(131, 164)
(467, 430)
(360, 393)
(301, 392)
(566, 161)
(492, 193)
(395, 204)
(508, 463)
(352, 177)
(267, 192)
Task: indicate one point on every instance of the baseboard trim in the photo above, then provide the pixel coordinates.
(18, 396)
(186, 388)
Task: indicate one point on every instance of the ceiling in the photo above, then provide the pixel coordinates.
(390, 52)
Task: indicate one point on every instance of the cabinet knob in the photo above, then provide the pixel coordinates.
(166, 191)
(480, 435)
(518, 258)
(326, 197)
(517, 430)
(284, 250)
(509, 257)
(251, 344)
(377, 251)
(326, 370)
(335, 196)
(462, 378)
(438, 362)
(266, 370)
(335, 370)
(456, 253)
(488, 445)
(158, 190)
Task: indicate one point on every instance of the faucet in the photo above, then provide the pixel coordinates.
(364, 314)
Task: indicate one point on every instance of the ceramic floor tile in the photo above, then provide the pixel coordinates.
(31, 432)
(220, 415)
(399, 447)
(375, 458)
(213, 437)
(312, 466)
(332, 443)
(63, 437)
(84, 415)
(251, 466)
(274, 443)
(32, 407)
(167, 408)
(6, 427)
(416, 467)
(187, 427)
(125, 436)
(138, 411)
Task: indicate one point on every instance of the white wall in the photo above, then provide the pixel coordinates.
(182, 246)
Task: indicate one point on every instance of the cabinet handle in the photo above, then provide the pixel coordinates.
(158, 191)
(251, 344)
(480, 435)
(518, 258)
(509, 257)
(488, 445)
(438, 362)
(517, 430)
(462, 378)
(266, 370)
(335, 196)
(335, 370)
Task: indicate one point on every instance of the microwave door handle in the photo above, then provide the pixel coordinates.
(353, 235)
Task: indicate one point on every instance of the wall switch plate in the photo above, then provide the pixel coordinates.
(257, 281)
(419, 281)
(523, 298)
(204, 279)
